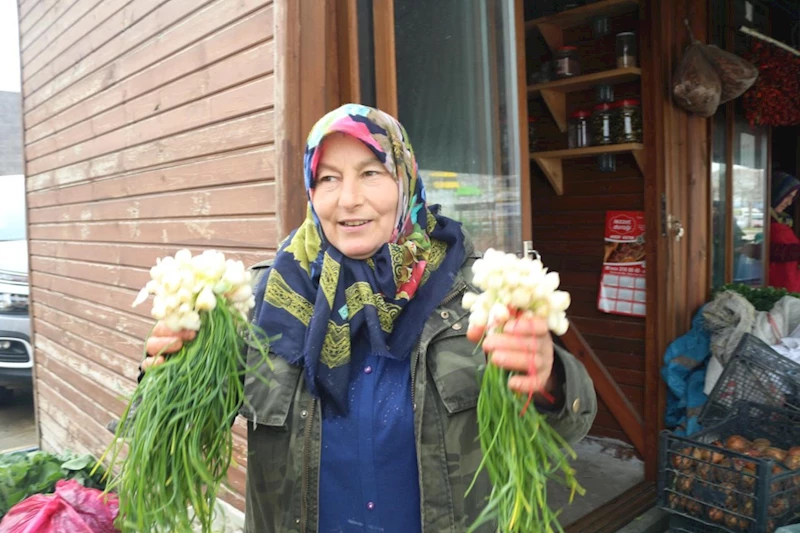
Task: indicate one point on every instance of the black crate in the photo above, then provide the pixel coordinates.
(758, 374)
(681, 524)
(728, 491)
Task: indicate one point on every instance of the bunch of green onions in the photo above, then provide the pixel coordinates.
(176, 432)
(521, 452)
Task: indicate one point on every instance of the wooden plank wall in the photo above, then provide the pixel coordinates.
(149, 126)
(568, 230)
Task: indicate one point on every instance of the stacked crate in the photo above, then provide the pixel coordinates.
(741, 474)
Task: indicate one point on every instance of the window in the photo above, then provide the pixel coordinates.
(456, 93)
(739, 180)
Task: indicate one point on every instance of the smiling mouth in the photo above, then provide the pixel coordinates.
(353, 223)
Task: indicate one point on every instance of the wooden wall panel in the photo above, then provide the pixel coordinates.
(223, 43)
(149, 126)
(76, 22)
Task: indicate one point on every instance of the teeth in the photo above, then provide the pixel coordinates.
(361, 223)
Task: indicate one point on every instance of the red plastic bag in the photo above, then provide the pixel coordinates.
(72, 509)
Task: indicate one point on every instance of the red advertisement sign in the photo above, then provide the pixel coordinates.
(622, 285)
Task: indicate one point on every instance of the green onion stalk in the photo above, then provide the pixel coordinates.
(521, 453)
(177, 428)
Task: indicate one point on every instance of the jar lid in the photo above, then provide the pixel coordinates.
(625, 33)
(630, 102)
(602, 106)
(580, 113)
(568, 48)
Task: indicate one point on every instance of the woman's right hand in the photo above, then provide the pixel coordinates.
(163, 342)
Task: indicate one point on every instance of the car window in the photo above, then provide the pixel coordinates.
(12, 208)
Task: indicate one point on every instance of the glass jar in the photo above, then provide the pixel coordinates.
(579, 135)
(627, 126)
(601, 124)
(604, 93)
(626, 49)
(533, 141)
(606, 162)
(566, 62)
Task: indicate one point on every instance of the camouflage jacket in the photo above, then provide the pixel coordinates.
(285, 430)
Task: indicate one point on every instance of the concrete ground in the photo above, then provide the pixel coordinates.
(605, 468)
(17, 423)
(653, 521)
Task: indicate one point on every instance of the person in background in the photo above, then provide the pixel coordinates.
(784, 246)
(369, 423)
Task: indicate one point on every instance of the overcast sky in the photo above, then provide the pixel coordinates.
(9, 46)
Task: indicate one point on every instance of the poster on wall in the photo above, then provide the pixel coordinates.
(622, 284)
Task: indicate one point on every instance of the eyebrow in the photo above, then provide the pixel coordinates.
(359, 166)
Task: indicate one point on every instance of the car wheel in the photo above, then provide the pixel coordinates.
(5, 395)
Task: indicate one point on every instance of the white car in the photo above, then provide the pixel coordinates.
(16, 353)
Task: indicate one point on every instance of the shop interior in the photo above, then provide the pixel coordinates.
(588, 158)
(532, 121)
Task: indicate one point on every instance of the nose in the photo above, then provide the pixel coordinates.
(351, 195)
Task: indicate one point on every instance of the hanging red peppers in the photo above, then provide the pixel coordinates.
(774, 100)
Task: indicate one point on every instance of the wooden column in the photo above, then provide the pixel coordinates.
(385, 56)
(307, 86)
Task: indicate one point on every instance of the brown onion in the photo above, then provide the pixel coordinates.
(737, 443)
(794, 450)
(716, 515)
(775, 453)
(761, 444)
(793, 462)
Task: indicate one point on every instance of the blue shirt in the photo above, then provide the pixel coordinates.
(369, 479)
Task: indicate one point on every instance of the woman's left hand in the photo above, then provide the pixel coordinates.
(525, 343)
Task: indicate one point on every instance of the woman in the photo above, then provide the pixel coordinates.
(784, 246)
(370, 420)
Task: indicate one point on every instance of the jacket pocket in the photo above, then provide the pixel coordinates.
(269, 403)
(456, 368)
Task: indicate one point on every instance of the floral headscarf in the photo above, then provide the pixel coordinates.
(326, 306)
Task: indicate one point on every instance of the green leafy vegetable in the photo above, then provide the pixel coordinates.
(24, 474)
(762, 298)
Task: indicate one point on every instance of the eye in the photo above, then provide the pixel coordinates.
(373, 173)
(326, 179)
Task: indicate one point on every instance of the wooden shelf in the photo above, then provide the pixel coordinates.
(551, 162)
(554, 93)
(553, 26)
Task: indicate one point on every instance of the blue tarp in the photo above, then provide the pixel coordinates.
(684, 372)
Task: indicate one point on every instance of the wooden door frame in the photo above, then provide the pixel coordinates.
(659, 300)
(676, 183)
(526, 207)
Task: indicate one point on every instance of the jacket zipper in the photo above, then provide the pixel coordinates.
(306, 461)
(447, 299)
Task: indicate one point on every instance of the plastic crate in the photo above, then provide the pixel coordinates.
(758, 374)
(728, 491)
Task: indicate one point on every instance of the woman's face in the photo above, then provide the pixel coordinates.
(355, 197)
(786, 202)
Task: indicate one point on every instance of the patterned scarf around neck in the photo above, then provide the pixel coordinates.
(321, 303)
